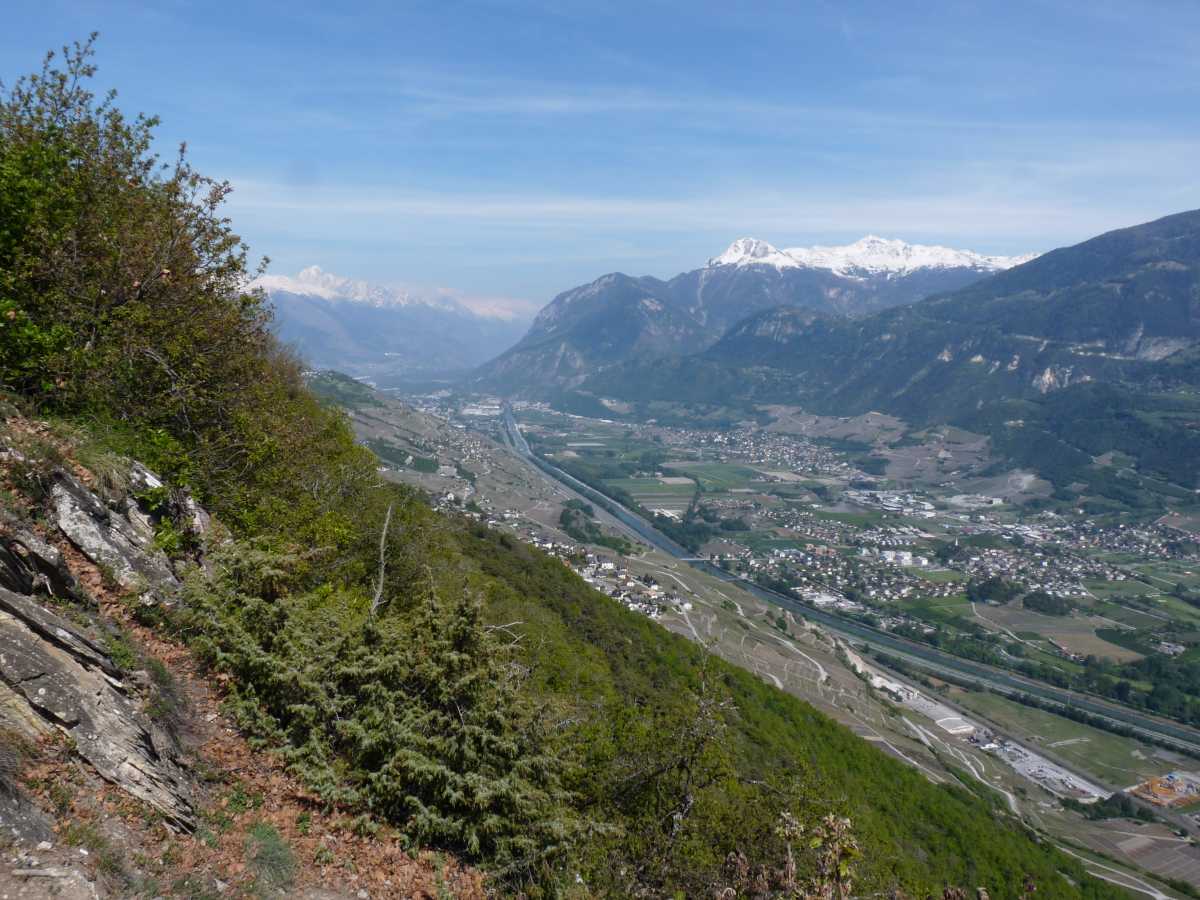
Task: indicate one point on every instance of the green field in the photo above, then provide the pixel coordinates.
(1129, 588)
(637, 486)
(941, 576)
(1176, 609)
(763, 541)
(939, 610)
(1114, 760)
(861, 519)
(1125, 615)
(1166, 574)
(653, 494)
(716, 477)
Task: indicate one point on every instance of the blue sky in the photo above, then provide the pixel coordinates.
(512, 150)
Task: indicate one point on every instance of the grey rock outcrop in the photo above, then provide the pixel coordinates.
(181, 506)
(54, 677)
(20, 817)
(120, 541)
(29, 564)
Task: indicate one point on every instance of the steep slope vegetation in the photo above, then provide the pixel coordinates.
(412, 669)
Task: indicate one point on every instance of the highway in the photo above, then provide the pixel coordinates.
(923, 656)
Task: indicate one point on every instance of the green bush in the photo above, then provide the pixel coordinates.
(412, 712)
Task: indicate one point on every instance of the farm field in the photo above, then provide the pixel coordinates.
(936, 575)
(1076, 633)
(1127, 616)
(765, 541)
(715, 477)
(1176, 609)
(864, 519)
(1166, 574)
(655, 493)
(937, 610)
(1128, 588)
(1114, 760)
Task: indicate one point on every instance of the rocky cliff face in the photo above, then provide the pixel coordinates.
(54, 677)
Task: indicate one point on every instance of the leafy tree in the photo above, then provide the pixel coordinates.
(1040, 601)
(991, 590)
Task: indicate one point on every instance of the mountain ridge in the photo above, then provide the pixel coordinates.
(619, 318)
(868, 255)
(1069, 345)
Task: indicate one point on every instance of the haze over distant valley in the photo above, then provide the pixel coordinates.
(383, 333)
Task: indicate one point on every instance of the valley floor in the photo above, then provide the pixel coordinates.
(1029, 761)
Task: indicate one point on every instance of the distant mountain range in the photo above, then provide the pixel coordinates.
(1062, 360)
(619, 318)
(382, 333)
(1108, 309)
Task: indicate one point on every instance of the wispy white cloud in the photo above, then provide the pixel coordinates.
(1011, 205)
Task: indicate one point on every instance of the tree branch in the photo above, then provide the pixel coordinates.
(378, 599)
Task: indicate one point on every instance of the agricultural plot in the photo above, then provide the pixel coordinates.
(939, 610)
(1185, 520)
(1129, 588)
(763, 541)
(865, 519)
(1176, 609)
(1117, 761)
(717, 477)
(1165, 574)
(1076, 633)
(867, 428)
(1126, 616)
(656, 493)
(940, 576)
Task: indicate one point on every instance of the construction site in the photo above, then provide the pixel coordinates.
(1170, 791)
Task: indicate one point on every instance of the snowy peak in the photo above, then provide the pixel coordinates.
(753, 252)
(871, 255)
(313, 281)
(874, 255)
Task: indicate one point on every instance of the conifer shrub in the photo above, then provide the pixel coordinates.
(412, 713)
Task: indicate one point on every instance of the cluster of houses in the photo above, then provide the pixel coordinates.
(1159, 540)
(753, 446)
(1060, 575)
(804, 523)
(895, 557)
(870, 579)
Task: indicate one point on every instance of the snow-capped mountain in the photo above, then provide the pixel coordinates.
(617, 318)
(869, 256)
(876, 255)
(313, 281)
(753, 252)
(381, 332)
